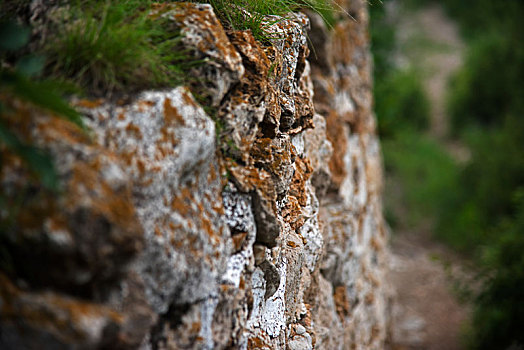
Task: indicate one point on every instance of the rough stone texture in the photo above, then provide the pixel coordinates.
(352, 312)
(266, 233)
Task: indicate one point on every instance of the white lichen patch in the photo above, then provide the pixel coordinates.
(268, 315)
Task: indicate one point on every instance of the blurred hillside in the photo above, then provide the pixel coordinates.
(454, 161)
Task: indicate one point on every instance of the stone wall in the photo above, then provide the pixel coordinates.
(254, 225)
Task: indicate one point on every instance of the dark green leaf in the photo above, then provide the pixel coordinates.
(30, 65)
(13, 36)
(41, 94)
(40, 163)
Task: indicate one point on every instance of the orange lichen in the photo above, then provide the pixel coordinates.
(255, 343)
(360, 223)
(369, 298)
(195, 327)
(250, 178)
(306, 320)
(242, 283)
(207, 226)
(262, 149)
(177, 244)
(134, 129)
(336, 133)
(56, 129)
(342, 44)
(160, 8)
(292, 244)
(141, 166)
(172, 115)
(238, 239)
(80, 309)
(212, 176)
(292, 213)
(224, 288)
(214, 38)
(303, 172)
(182, 204)
(188, 99)
(144, 105)
(91, 104)
(57, 223)
(252, 52)
(86, 183)
(342, 302)
(218, 206)
(375, 244)
(173, 227)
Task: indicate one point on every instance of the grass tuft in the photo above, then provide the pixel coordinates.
(115, 47)
(252, 14)
(108, 46)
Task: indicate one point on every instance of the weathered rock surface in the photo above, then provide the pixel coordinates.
(171, 233)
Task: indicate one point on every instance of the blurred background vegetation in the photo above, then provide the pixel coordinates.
(475, 204)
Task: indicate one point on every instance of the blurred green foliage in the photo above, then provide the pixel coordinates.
(417, 164)
(486, 104)
(490, 84)
(382, 40)
(480, 216)
(16, 82)
(478, 207)
(498, 314)
(401, 103)
(412, 160)
(478, 17)
(487, 184)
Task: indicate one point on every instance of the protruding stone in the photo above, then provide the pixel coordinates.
(203, 32)
(276, 156)
(46, 320)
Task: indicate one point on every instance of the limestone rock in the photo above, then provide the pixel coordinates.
(81, 241)
(169, 142)
(203, 32)
(257, 227)
(54, 321)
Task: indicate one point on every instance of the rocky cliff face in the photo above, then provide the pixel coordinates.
(254, 225)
